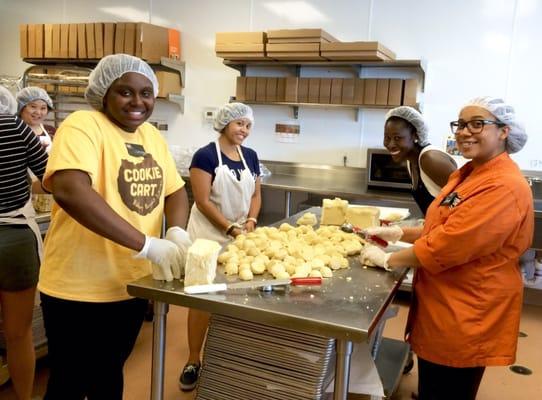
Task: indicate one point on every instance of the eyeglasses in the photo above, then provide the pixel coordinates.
(474, 126)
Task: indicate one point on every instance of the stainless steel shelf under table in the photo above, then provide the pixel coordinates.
(347, 308)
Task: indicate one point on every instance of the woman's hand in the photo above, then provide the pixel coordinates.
(250, 226)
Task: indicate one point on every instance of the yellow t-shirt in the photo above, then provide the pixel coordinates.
(133, 173)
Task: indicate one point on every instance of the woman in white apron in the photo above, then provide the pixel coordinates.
(225, 182)
(20, 241)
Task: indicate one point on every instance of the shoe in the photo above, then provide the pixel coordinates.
(189, 377)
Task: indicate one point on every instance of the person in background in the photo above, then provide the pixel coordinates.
(468, 285)
(20, 241)
(225, 179)
(405, 137)
(33, 106)
(113, 181)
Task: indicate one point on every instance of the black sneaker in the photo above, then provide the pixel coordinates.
(189, 377)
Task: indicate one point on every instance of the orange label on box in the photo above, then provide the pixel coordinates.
(174, 40)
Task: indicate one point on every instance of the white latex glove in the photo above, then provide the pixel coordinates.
(374, 256)
(165, 257)
(181, 238)
(389, 233)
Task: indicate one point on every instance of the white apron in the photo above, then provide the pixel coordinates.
(29, 214)
(231, 196)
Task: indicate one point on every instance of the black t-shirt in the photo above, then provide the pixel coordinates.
(206, 159)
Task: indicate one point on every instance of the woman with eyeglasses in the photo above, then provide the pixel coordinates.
(468, 285)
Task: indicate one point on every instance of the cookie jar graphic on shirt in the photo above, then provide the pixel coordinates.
(140, 184)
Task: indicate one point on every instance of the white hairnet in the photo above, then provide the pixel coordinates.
(8, 104)
(230, 112)
(111, 68)
(415, 118)
(504, 113)
(31, 93)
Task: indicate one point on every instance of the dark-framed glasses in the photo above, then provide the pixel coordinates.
(474, 126)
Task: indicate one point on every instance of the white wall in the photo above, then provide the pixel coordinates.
(472, 47)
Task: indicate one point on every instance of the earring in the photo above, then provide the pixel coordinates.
(415, 140)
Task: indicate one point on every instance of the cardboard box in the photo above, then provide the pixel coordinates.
(99, 39)
(395, 92)
(242, 56)
(152, 42)
(48, 40)
(56, 40)
(336, 91)
(129, 38)
(314, 90)
(109, 38)
(382, 89)
(354, 56)
(90, 40)
(325, 91)
(240, 88)
(251, 88)
(359, 89)
(271, 89)
(120, 30)
(303, 90)
(300, 33)
(261, 86)
(290, 95)
(373, 50)
(168, 82)
(410, 92)
(369, 94)
(174, 43)
(31, 32)
(240, 37)
(239, 48)
(298, 40)
(64, 40)
(281, 89)
(81, 41)
(72, 41)
(38, 49)
(293, 51)
(23, 40)
(306, 56)
(348, 91)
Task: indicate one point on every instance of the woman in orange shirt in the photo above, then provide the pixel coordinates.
(468, 286)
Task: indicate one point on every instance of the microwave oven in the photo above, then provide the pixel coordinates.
(383, 172)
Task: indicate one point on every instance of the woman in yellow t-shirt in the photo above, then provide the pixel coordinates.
(113, 181)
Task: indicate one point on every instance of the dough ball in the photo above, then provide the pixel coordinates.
(315, 274)
(282, 275)
(246, 275)
(257, 267)
(326, 272)
(231, 269)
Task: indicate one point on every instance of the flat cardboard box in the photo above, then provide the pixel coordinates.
(261, 86)
(291, 90)
(152, 42)
(372, 47)
(298, 40)
(109, 38)
(369, 94)
(168, 82)
(174, 44)
(382, 89)
(395, 92)
(314, 90)
(120, 30)
(281, 89)
(240, 88)
(81, 41)
(359, 89)
(300, 33)
(271, 89)
(325, 91)
(48, 40)
(56, 40)
(293, 47)
(239, 48)
(242, 56)
(91, 43)
(310, 56)
(240, 37)
(355, 56)
(251, 88)
(303, 90)
(336, 91)
(64, 40)
(38, 49)
(99, 39)
(348, 91)
(410, 92)
(129, 38)
(31, 40)
(72, 41)
(23, 40)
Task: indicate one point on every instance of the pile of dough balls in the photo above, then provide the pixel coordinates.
(289, 251)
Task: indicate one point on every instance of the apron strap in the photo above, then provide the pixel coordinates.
(218, 153)
(242, 158)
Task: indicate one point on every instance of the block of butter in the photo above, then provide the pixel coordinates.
(333, 211)
(201, 262)
(363, 217)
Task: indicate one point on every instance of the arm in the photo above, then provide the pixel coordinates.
(403, 258)
(255, 205)
(72, 190)
(411, 234)
(176, 208)
(438, 166)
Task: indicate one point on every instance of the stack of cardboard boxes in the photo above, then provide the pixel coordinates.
(297, 44)
(347, 51)
(241, 45)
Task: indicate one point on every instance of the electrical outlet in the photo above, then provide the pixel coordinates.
(209, 114)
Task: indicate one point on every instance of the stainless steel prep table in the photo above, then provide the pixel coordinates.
(347, 307)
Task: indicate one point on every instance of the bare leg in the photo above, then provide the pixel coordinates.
(197, 327)
(17, 310)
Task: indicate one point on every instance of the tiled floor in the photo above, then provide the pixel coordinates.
(498, 383)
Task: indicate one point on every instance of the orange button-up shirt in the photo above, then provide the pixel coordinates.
(469, 289)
